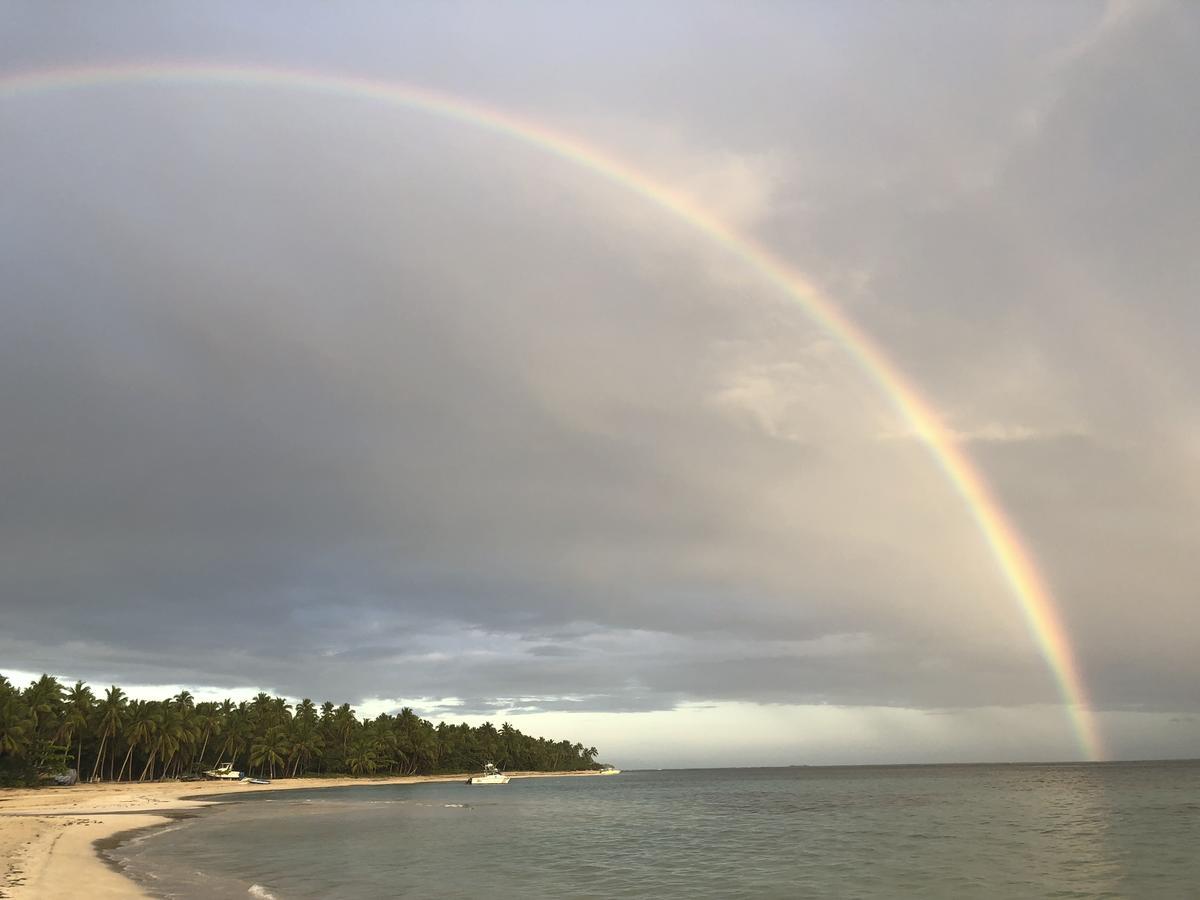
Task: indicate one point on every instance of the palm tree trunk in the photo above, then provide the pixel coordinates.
(126, 762)
(204, 747)
(149, 763)
(99, 755)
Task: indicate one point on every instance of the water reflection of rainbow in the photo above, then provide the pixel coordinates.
(1013, 559)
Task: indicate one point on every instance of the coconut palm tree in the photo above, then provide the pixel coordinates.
(16, 724)
(271, 749)
(171, 733)
(44, 699)
(143, 723)
(188, 736)
(80, 704)
(307, 743)
(219, 721)
(205, 718)
(362, 758)
(112, 713)
(165, 737)
(305, 735)
(238, 729)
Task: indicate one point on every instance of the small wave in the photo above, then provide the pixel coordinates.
(145, 835)
(257, 890)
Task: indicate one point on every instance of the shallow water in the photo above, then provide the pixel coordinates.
(1097, 830)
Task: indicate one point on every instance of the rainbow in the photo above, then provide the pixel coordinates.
(1013, 559)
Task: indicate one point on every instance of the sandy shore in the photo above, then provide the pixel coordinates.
(48, 836)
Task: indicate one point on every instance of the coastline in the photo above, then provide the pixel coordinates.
(50, 837)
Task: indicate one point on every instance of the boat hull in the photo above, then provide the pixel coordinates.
(488, 779)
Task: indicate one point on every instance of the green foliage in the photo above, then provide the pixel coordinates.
(17, 772)
(45, 728)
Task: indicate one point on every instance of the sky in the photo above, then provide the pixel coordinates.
(331, 398)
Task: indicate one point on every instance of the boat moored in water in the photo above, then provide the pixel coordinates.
(491, 775)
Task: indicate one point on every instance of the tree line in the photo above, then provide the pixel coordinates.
(47, 728)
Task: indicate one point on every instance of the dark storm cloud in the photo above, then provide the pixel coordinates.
(304, 393)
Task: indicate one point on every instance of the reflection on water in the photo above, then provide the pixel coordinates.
(1065, 815)
(1115, 830)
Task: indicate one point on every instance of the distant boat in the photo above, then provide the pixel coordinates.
(491, 775)
(256, 781)
(610, 770)
(224, 772)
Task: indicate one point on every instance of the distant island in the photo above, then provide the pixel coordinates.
(48, 728)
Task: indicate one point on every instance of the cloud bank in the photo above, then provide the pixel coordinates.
(309, 394)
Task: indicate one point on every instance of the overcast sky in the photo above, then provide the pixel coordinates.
(340, 400)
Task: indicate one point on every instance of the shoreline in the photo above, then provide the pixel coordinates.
(101, 845)
(52, 838)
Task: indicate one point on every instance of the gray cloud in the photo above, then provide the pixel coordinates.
(346, 401)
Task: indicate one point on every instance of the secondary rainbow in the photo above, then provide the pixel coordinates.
(1012, 557)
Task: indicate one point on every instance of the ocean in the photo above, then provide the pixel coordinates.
(1086, 830)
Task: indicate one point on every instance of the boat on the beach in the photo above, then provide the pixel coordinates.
(491, 775)
(224, 772)
(256, 781)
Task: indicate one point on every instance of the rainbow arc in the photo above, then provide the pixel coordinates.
(1013, 559)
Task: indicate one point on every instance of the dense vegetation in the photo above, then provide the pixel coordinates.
(48, 728)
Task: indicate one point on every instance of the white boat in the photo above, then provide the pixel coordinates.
(610, 770)
(224, 772)
(491, 775)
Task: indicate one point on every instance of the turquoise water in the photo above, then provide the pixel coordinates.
(1096, 830)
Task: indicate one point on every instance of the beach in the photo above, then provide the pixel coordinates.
(48, 835)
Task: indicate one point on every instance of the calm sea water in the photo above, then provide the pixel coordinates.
(1110, 830)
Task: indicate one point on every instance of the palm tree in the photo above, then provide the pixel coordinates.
(425, 748)
(44, 699)
(264, 732)
(16, 724)
(306, 743)
(111, 719)
(305, 735)
(171, 734)
(142, 725)
(189, 734)
(80, 704)
(205, 719)
(237, 728)
(344, 724)
(218, 722)
(166, 737)
(280, 710)
(362, 758)
(271, 749)
(261, 708)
